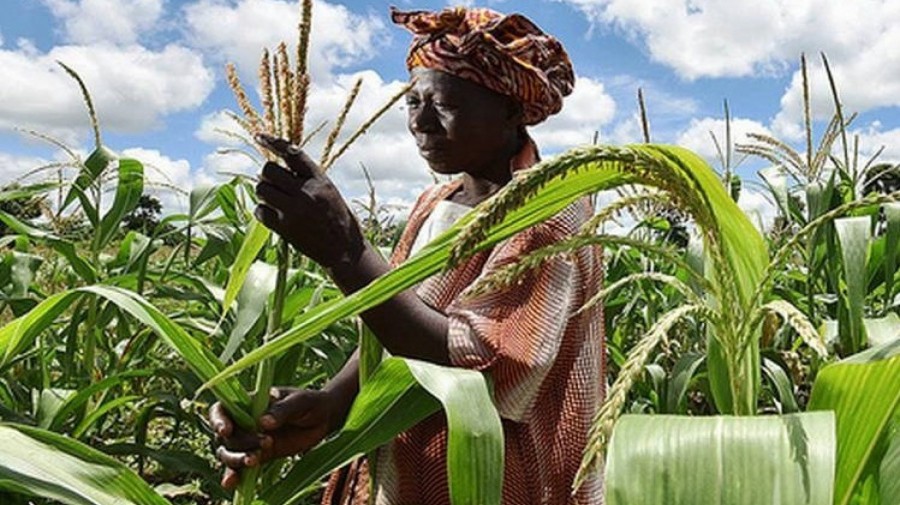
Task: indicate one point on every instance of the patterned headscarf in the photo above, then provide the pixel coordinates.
(507, 54)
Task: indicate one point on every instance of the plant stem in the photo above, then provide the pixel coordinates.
(265, 373)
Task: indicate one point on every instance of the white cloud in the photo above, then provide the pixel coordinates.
(586, 110)
(716, 38)
(339, 37)
(759, 208)
(867, 81)
(13, 167)
(739, 38)
(110, 21)
(698, 136)
(873, 138)
(169, 179)
(219, 129)
(387, 150)
(132, 87)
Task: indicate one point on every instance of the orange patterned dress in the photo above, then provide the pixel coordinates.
(545, 362)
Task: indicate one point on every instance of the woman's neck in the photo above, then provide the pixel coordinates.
(479, 186)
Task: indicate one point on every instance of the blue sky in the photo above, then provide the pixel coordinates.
(155, 69)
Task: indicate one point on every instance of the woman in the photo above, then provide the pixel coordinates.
(479, 79)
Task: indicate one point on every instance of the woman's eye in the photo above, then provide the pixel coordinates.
(412, 102)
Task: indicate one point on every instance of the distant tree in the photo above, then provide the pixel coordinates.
(24, 208)
(145, 217)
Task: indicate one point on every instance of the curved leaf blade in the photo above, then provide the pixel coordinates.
(848, 388)
(777, 460)
(59, 468)
(128, 195)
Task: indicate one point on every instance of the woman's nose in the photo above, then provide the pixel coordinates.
(423, 118)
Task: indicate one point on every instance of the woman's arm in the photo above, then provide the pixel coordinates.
(303, 206)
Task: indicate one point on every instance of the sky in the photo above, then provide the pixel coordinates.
(155, 69)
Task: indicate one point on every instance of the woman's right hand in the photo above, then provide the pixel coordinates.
(296, 420)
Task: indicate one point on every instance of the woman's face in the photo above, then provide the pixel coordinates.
(458, 125)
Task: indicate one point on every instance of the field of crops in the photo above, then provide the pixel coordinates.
(765, 363)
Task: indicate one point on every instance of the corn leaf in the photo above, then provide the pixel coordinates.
(128, 194)
(58, 468)
(257, 285)
(776, 460)
(20, 333)
(63, 247)
(682, 375)
(782, 384)
(882, 330)
(475, 438)
(401, 393)
(864, 392)
(254, 241)
(853, 235)
(10, 193)
(201, 202)
(89, 175)
(390, 403)
(891, 248)
(889, 471)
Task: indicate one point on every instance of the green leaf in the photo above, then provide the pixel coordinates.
(682, 375)
(891, 248)
(882, 330)
(393, 400)
(782, 384)
(89, 175)
(78, 400)
(854, 236)
(257, 237)
(775, 178)
(128, 195)
(194, 352)
(62, 246)
(475, 435)
(20, 333)
(889, 470)
(100, 411)
(58, 468)
(258, 284)
(863, 391)
(10, 193)
(775, 460)
(201, 201)
(390, 403)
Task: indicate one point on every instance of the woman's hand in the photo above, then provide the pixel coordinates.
(303, 206)
(297, 420)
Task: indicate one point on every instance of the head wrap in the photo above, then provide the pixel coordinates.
(505, 53)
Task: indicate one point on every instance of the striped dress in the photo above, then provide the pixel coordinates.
(546, 364)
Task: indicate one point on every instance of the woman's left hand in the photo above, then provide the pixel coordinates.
(303, 206)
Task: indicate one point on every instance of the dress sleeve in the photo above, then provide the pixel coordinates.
(515, 333)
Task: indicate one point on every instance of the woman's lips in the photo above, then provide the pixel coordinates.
(433, 151)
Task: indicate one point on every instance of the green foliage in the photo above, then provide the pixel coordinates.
(784, 460)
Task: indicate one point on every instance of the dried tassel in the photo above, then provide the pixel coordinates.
(304, 29)
(253, 119)
(339, 124)
(265, 85)
(365, 126)
(286, 87)
(301, 89)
